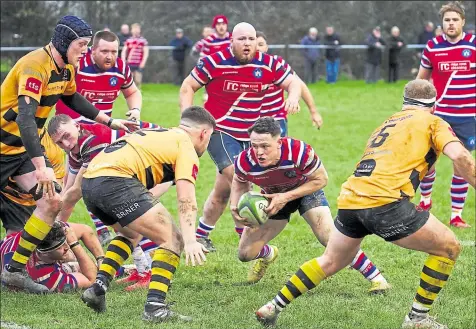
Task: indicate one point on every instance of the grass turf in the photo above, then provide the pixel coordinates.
(215, 294)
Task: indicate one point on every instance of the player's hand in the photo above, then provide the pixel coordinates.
(195, 253)
(277, 202)
(316, 119)
(292, 106)
(45, 177)
(126, 125)
(236, 216)
(133, 115)
(70, 235)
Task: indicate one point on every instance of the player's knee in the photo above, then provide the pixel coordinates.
(453, 249)
(244, 255)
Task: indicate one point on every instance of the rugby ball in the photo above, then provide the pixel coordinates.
(251, 206)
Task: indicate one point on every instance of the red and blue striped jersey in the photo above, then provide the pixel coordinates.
(453, 68)
(236, 91)
(101, 88)
(52, 275)
(273, 102)
(298, 161)
(213, 43)
(92, 140)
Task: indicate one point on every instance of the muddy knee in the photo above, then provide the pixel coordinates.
(453, 249)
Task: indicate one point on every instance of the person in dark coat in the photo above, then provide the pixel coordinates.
(395, 45)
(375, 45)
(332, 39)
(181, 45)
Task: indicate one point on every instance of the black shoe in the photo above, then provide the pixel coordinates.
(21, 280)
(161, 313)
(207, 243)
(95, 298)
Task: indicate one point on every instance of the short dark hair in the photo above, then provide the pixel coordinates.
(55, 237)
(260, 34)
(56, 121)
(104, 35)
(198, 114)
(266, 126)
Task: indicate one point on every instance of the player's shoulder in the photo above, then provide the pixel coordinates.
(37, 61)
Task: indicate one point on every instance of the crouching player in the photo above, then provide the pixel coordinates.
(59, 262)
(83, 142)
(292, 176)
(116, 188)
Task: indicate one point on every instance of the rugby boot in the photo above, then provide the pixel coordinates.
(142, 283)
(95, 297)
(427, 322)
(259, 266)
(424, 206)
(159, 312)
(22, 281)
(268, 314)
(459, 222)
(133, 277)
(207, 243)
(379, 287)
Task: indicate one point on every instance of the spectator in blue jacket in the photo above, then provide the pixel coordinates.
(181, 45)
(332, 39)
(311, 55)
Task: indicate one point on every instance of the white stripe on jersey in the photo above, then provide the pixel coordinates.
(451, 48)
(231, 117)
(316, 166)
(301, 152)
(290, 154)
(197, 78)
(120, 75)
(458, 106)
(250, 157)
(310, 159)
(467, 115)
(285, 75)
(459, 96)
(272, 169)
(235, 67)
(465, 76)
(274, 93)
(221, 55)
(471, 85)
(448, 83)
(273, 109)
(233, 129)
(272, 102)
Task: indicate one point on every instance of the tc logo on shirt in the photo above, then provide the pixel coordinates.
(33, 85)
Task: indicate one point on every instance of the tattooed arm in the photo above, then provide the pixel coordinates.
(187, 208)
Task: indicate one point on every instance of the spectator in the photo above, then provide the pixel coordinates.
(181, 45)
(375, 45)
(311, 55)
(438, 31)
(427, 34)
(135, 53)
(395, 46)
(124, 34)
(332, 55)
(106, 29)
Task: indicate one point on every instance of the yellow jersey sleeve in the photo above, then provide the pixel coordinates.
(31, 80)
(71, 86)
(187, 163)
(441, 134)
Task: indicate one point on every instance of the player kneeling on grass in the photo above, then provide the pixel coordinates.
(116, 187)
(292, 176)
(59, 262)
(375, 200)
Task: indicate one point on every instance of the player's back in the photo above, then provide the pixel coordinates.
(150, 155)
(35, 75)
(397, 156)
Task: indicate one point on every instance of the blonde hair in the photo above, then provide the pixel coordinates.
(419, 89)
(455, 6)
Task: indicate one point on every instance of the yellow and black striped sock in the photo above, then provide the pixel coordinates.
(434, 275)
(117, 253)
(309, 275)
(34, 232)
(164, 264)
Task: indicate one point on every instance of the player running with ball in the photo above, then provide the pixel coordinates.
(292, 176)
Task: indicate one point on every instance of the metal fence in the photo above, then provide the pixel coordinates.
(160, 68)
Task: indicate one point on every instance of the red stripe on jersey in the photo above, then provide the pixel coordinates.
(298, 160)
(273, 102)
(453, 68)
(213, 43)
(100, 88)
(236, 92)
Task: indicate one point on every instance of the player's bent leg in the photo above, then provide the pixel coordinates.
(443, 248)
(157, 224)
(34, 231)
(321, 222)
(338, 254)
(253, 246)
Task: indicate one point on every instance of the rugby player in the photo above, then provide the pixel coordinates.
(376, 200)
(135, 53)
(100, 77)
(273, 105)
(292, 176)
(82, 142)
(450, 61)
(32, 87)
(59, 263)
(236, 80)
(115, 187)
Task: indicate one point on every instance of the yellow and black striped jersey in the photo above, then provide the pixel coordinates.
(35, 75)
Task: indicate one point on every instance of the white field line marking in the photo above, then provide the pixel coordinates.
(468, 243)
(12, 325)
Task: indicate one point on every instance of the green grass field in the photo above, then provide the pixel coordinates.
(215, 294)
